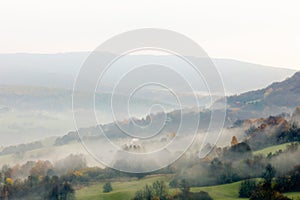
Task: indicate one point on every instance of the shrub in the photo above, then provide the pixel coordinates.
(247, 188)
(107, 187)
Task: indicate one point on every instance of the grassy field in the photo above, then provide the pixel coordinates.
(221, 192)
(293, 195)
(125, 190)
(272, 149)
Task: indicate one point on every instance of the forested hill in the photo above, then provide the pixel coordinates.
(276, 98)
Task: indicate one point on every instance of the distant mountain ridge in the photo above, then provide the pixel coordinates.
(60, 71)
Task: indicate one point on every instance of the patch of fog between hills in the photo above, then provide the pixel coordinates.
(103, 151)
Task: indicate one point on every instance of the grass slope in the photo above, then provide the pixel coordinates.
(221, 192)
(124, 190)
(271, 149)
(293, 195)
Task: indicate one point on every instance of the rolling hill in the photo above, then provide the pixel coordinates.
(125, 190)
(276, 98)
(60, 70)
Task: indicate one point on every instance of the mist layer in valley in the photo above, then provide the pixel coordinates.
(36, 92)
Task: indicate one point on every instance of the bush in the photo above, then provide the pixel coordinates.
(247, 188)
(200, 196)
(174, 183)
(158, 190)
(107, 187)
(264, 193)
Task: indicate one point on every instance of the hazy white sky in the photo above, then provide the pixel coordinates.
(264, 32)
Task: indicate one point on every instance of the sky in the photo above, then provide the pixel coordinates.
(264, 32)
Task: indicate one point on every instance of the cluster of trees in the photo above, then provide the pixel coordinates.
(233, 164)
(228, 166)
(210, 174)
(46, 180)
(247, 188)
(290, 135)
(39, 180)
(44, 168)
(271, 187)
(159, 191)
(223, 172)
(228, 171)
(289, 182)
(282, 132)
(35, 187)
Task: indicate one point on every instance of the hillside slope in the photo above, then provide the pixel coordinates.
(277, 98)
